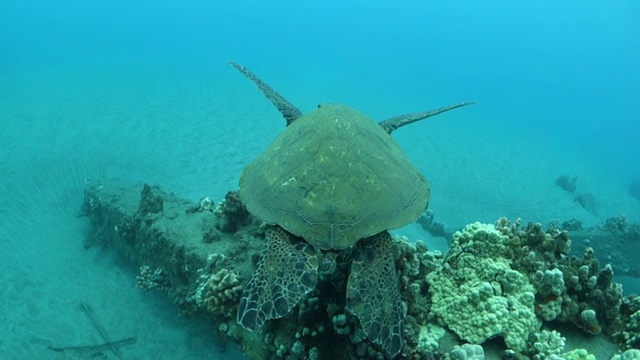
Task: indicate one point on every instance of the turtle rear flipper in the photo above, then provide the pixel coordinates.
(373, 295)
(287, 271)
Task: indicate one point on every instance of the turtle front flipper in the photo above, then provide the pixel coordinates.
(287, 271)
(395, 122)
(287, 109)
(373, 295)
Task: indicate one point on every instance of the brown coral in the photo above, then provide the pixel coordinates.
(232, 213)
(220, 294)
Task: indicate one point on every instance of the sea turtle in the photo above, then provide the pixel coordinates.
(334, 179)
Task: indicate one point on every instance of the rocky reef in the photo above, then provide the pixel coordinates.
(616, 239)
(511, 283)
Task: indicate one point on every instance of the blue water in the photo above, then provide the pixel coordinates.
(143, 91)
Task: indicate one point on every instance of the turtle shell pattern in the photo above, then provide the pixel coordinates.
(333, 177)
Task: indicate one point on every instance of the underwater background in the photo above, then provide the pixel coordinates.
(144, 92)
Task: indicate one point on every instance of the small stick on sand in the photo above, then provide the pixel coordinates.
(87, 309)
(110, 345)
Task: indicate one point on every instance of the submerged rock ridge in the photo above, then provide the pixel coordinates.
(506, 280)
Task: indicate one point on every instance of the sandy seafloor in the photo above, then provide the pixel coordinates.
(192, 133)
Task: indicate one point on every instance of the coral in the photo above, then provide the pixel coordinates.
(532, 248)
(545, 344)
(550, 287)
(483, 241)
(219, 292)
(617, 225)
(148, 279)
(540, 253)
(429, 337)
(340, 324)
(467, 352)
(151, 200)
(478, 295)
(232, 213)
(632, 331)
(127, 229)
(487, 283)
(92, 202)
(572, 225)
(578, 354)
(600, 300)
(427, 222)
(493, 276)
(204, 205)
(588, 321)
(620, 225)
(631, 354)
(414, 263)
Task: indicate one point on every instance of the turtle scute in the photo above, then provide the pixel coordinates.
(287, 270)
(373, 295)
